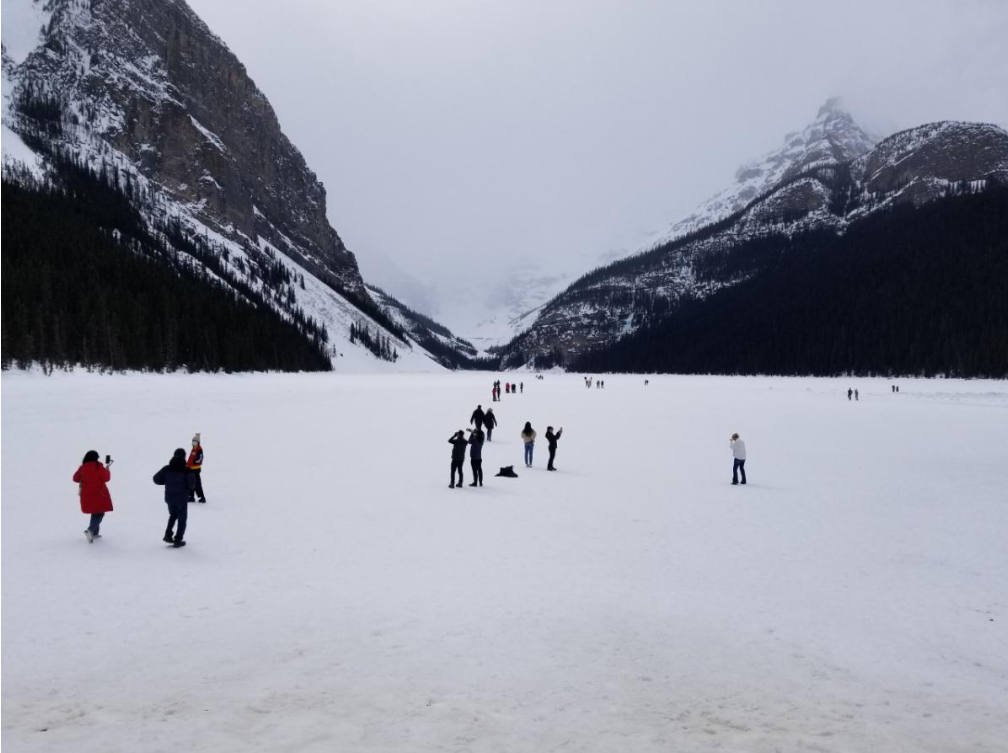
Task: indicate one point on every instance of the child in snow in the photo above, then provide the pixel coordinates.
(552, 440)
(195, 466)
(528, 436)
(476, 457)
(91, 479)
(738, 450)
(178, 482)
(458, 443)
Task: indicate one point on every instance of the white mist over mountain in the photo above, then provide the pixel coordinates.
(485, 149)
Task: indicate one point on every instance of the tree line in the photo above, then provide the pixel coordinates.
(909, 291)
(84, 282)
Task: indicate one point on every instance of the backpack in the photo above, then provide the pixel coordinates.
(508, 471)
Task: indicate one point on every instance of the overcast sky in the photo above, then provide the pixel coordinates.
(460, 141)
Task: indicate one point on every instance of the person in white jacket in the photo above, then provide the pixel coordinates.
(738, 450)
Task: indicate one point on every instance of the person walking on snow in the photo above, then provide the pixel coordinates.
(528, 436)
(521, 388)
(477, 417)
(476, 457)
(195, 466)
(489, 421)
(91, 479)
(738, 450)
(856, 396)
(458, 443)
(178, 482)
(850, 392)
(552, 439)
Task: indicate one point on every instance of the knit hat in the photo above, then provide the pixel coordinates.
(196, 438)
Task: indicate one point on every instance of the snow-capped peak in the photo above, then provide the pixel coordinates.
(833, 137)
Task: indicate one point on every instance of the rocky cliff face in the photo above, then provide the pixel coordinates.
(144, 95)
(832, 138)
(148, 78)
(827, 180)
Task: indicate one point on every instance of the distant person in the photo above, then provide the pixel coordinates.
(552, 440)
(178, 482)
(476, 457)
(856, 396)
(850, 393)
(476, 419)
(489, 422)
(738, 450)
(521, 388)
(91, 479)
(897, 389)
(195, 466)
(458, 443)
(528, 436)
(893, 388)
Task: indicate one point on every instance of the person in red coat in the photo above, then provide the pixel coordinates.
(95, 499)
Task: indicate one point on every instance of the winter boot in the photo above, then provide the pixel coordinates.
(178, 544)
(88, 535)
(169, 537)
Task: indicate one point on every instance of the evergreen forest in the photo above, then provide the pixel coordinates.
(85, 282)
(907, 291)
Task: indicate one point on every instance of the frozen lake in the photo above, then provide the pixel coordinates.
(336, 595)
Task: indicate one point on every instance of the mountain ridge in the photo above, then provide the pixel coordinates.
(915, 166)
(144, 92)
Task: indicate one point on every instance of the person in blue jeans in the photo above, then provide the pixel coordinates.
(738, 450)
(178, 482)
(528, 436)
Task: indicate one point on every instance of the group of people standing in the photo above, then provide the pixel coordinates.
(510, 388)
(181, 479)
(459, 443)
(528, 436)
(486, 420)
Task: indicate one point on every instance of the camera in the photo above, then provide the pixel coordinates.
(108, 460)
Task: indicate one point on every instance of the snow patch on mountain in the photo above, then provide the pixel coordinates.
(832, 138)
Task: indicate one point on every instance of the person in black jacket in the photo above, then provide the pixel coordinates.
(458, 443)
(489, 421)
(178, 483)
(477, 417)
(552, 440)
(476, 457)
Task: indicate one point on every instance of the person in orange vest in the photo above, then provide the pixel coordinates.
(195, 464)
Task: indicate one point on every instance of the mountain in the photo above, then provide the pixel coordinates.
(909, 290)
(820, 187)
(143, 93)
(448, 349)
(832, 138)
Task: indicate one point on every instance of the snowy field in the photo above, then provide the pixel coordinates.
(337, 596)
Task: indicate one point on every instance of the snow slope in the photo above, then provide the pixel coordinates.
(336, 595)
(116, 57)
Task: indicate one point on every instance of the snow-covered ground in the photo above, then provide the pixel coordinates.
(337, 596)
